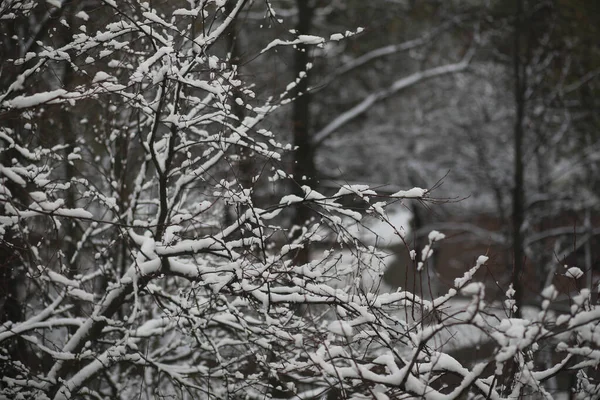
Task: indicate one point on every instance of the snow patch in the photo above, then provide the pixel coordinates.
(414, 193)
(574, 273)
(341, 328)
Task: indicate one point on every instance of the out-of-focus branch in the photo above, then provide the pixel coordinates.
(383, 52)
(383, 94)
(465, 227)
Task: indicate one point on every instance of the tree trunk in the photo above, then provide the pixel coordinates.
(304, 169)
(518, 204)
(518, 198)
(244, 171)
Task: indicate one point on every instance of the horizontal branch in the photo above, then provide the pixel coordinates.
(465, 227)
(563, 231)
(382, 52)
(383, 94)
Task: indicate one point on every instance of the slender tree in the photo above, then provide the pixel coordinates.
(304, 170)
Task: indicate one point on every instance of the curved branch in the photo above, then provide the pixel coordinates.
(383, 94)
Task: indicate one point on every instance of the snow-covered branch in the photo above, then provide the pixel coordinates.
(135, 262)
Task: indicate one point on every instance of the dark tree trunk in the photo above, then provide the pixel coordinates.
(518, 195)
(243, 168)
(245, 165)
(304, 169)
(518, 204)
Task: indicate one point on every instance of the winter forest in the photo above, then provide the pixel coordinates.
(299, 199)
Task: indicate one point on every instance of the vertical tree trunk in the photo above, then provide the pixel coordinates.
(518, 195)
(304, 169)
(244, 171)
(13, 255)
(518, 204)
(69, 138)
(589, 274)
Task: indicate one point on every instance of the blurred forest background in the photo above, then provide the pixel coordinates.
(492, 104)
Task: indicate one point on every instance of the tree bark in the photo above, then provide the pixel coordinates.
(304, 169)
(518, 203)
(244, 171)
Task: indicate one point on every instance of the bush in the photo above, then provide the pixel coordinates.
(135, 261)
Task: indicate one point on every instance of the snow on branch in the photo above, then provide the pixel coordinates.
(138, 262)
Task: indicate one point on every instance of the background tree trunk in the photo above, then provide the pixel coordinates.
(304, 169)
(518, 203)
